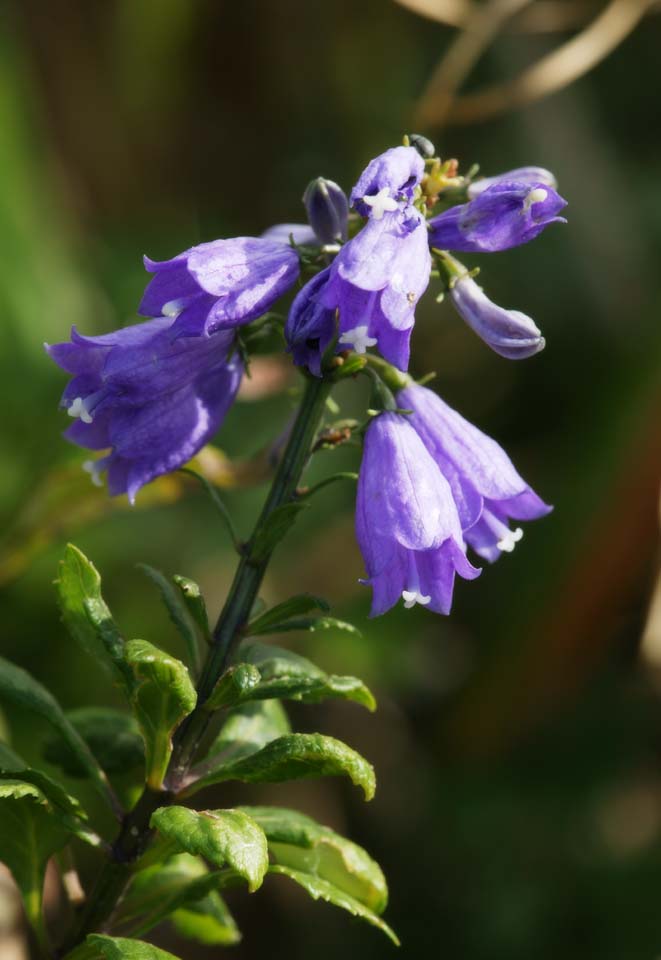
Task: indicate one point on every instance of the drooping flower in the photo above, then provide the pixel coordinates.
(152, 399)
(388, 182)
(505, 214)
(310, 326)
(407, 525)
(485, 486)
(532, 175)
(510, 333)
(219, 285)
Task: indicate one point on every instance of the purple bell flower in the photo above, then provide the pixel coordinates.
(506, 214)
(218, 285)
(310, 326)
(407, 528)
(300, 233)
(534, 175)
(485, 486)
(510, 333)
(388, 182)
(151, 398)
(328, 210)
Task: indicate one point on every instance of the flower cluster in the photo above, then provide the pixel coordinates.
(431, 484)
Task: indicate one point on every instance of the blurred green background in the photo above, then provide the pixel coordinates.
(517, 743)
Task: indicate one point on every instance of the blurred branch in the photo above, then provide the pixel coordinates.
(439, 103)
(546, 16)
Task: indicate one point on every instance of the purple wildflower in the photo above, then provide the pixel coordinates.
(300, 233)
(408, 529)
(506, 214)
(532, 175)
(310, 326)
(510, 333)
(151, 398)
(218, 285)
(388, 182)
(328, 210)
(485, 486)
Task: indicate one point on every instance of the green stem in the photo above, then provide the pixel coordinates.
(135, 833)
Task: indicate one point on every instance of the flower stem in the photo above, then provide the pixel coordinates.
(135, 833)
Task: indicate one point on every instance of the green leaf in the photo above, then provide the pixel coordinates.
(299, 842)
(284, 675)
(179, 614)
(247, 729)
(293, 607)
(10, 761)
(323, 890)
(121, 948)
(162, 697)
(86, 615)
(220, 836)
(20, 688)
(112, 735)
(37, 818)
(182, 889)
(294, 757)
(274, 529)
(195, 604)
(314, 624)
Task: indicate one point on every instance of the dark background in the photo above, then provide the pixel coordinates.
(517, 748)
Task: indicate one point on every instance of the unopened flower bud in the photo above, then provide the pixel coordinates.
(425, 147)
(328, 210)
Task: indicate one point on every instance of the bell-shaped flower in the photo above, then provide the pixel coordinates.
(219, 285)
(533, 175)
(407, 525)
(485, 486)
(504, 215)
(310, 326)
(510, 333)
(388, 182)
(151, 399)
(327, 209)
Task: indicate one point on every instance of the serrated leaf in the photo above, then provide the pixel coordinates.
(162, 696)
(182, 889)
(112, 736)
(298, 841)
(192, 597)
(294, 757)
(123, 948)
(274, 529)
(320, 889)
(17, 686)
(247, 729)
(37, 818)
(294, 607)
(86, 615)
(286, 675)
(179, 613)
(220, 836)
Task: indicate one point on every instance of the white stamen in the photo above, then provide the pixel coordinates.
(381, 203)
(512, 537)
(411, 597)
(358, 339)
(538, 195)
(173, 308)
(95, 470)
(77, 408)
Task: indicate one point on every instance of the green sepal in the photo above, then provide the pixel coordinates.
(293, 757)
(180, 614)
(294, 607)
(299, 842)
(320, 889)
(121, 948)
(247, 729)
(162, 697)
(223, 837)
(274, 529)
(112, 735)
(17, 686)
(183, 891)
(86, 614)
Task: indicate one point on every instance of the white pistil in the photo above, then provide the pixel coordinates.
(95, 470)
(173, 308)
(411, 597)
(512, 537)
(77, 408)
(538, 195)
(381, 203)
(358, 339)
